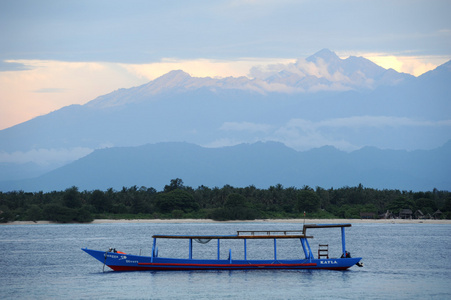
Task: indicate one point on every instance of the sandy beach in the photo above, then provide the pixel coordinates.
(311, 221)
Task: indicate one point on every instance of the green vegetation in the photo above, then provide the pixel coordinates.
(226, 203)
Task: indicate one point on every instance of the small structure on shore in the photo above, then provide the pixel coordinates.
(405, 213)
(437, 214)
(386, 215)
(418, 214)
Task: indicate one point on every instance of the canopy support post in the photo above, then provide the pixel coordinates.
(275, 249)
(219, 248)
(310, 254)
(153, 249)
(343, 241)
(303, 247)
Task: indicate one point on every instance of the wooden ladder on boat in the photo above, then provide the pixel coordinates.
(323, 251)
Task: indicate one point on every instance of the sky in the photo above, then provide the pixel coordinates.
(56, 53)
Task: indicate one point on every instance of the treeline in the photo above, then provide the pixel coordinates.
(226, 203)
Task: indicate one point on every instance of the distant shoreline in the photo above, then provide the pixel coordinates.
(300, 221)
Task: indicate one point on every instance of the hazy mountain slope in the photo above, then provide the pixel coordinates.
(259, 164)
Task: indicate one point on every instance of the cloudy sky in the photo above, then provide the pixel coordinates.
(55, 53)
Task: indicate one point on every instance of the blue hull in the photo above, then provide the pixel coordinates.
(127, 262)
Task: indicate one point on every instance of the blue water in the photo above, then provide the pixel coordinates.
(45, 262)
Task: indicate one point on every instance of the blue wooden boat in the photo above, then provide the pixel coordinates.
(120, 261)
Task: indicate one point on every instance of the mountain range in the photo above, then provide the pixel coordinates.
(259, 164)
(315, 102)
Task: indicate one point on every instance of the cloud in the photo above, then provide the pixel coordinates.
(359, 122)
(346, 134)
(304, 134)
(143, 31)
(201, 67)
(6, 66)
(378, 121)
(414, 65)
(224, 142)
(301, 76)
(300, 67)
(245, 126)
(45, 156)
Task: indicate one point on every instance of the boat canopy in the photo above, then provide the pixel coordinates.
(257, 234)
(241, 235)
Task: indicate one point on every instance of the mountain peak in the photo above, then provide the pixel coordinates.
(173, 78)
(325, 54)
(175, 74)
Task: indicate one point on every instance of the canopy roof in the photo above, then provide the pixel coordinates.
(257, 234)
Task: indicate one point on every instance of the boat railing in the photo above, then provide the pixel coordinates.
(269, 232)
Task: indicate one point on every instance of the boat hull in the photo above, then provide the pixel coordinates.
(126, 262)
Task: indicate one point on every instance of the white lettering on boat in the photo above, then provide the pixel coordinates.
(328, 262)
(131, 261)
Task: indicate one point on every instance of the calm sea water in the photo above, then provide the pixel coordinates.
(45, 262)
